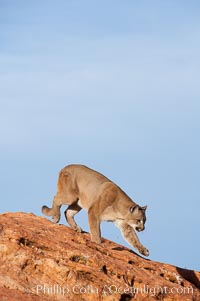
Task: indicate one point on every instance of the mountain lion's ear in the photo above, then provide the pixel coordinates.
(144, 208)
(132, 208)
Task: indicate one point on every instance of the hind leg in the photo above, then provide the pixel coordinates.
(54, 211)
(70, 212)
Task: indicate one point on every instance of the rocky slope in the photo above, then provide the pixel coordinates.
(45, 261)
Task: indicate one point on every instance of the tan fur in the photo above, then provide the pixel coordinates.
(81, 187)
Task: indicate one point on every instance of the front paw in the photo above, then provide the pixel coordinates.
(97, 240)
(144, 251)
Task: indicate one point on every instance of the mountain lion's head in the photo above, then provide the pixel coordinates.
(136, 217)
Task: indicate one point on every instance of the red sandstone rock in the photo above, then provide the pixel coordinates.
(45, 261)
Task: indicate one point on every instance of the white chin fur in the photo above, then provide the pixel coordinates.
(133, 226)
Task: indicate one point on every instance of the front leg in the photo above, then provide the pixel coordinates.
(131, 237)
(94, 224)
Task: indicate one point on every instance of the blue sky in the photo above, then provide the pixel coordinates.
(113, 85)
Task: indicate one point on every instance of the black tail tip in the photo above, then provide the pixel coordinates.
(46, 210)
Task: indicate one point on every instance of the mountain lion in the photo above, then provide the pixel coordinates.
(81, 187)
